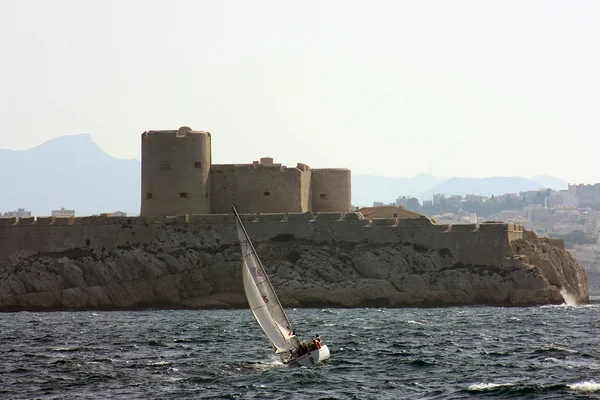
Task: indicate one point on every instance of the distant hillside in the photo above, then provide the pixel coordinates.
(551, 182)
(71, 172)
(369, 188)
(483, 186)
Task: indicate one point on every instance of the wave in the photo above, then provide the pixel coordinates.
(516, 389)
(585, 387)
(569, 299)
(482, 387)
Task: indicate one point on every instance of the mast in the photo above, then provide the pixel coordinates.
(261, 264)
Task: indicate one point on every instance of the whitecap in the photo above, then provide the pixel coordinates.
(570, 300)
(414, 322)
(487, 386)
(154, 364)
(585, 387)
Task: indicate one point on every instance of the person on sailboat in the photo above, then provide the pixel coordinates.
(317, 341)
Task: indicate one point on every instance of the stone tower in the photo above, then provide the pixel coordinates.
(331, 190)
(175, 172)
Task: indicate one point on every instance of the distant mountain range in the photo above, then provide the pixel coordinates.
(71, 172)
(74, 172)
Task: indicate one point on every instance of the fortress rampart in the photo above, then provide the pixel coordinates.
(470, 244)
(331, 190)
(260, 188)
(178, 178)
(176, 172)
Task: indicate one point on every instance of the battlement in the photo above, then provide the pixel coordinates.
(415, 222)
(468, 242)
(183, 132)
(463, 227)
(230, 168)
(210, 219)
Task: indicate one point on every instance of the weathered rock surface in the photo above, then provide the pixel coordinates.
(304, 273)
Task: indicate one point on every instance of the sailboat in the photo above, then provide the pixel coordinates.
(269, 313)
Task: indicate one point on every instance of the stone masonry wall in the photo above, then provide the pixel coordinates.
(175, 172)
(331, 190)
(259, 188)
(465, 242)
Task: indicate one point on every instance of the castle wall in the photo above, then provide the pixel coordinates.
(487, 246)
(175, 172)
(259, 188)
(331, 190)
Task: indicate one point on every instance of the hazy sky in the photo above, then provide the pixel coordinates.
(459, 88)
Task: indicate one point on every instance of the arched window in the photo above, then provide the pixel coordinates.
(323, 196)
(148, 196)
(197, 164)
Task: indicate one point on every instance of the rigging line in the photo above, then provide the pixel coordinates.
(239, 220)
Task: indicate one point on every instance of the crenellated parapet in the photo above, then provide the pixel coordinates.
(256, 218)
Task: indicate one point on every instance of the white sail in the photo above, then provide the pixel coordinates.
(262, 298)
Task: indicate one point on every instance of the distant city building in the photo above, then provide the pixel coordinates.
(589, 195)
(454, 200)
(475, 198)
(114, 214)
(427, 203)
(21, 212)
(402, 200)
(529, 196)
(63, 213)
(438, 198)
(563, 198)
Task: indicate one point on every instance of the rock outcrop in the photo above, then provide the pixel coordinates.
(173, 273)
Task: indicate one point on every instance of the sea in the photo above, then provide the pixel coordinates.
(547, 352)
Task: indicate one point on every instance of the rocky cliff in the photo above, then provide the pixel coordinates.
(182, 270)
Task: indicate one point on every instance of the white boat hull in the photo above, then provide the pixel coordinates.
(314, 357)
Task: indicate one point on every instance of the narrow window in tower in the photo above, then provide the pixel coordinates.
(323, 196)
(266, 193)
(148, 195)
(183, 195)
(206, 195)
(197, 164)
(165, 165)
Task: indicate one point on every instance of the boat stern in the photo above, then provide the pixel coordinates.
(314, 357)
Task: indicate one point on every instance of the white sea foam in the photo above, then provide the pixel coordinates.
(487, 386)
(569, 299)
(551, 359)
(585, 387)
(414, 322)
(159, 363)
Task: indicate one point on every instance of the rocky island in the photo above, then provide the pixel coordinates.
(182, 251)
(322, 260)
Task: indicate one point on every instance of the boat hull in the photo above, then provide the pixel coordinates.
(314, 357)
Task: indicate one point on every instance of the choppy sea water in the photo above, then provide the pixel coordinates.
(548, 352)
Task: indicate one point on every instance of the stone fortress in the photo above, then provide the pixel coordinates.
(178, 178)
(182, 251)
